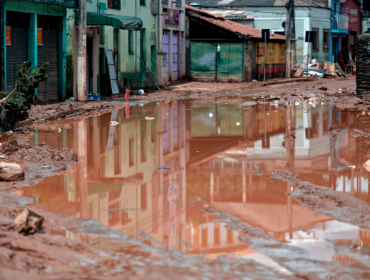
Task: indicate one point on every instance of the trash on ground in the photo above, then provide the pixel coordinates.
(238, 123)
(113, 123)
(210, 115)
(163, 168)
(248, 103)
(72, 99)
(11, 172)
(28, 222)
(257, 172)
(323, 88)
(334, 130)
(149, 118)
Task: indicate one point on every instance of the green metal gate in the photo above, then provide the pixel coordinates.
(206, 62)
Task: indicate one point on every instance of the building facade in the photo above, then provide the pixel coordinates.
(170, 39)
(271, 14)
(350, 12)
(124, 31)
(36, 31)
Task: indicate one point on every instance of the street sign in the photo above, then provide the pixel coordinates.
(265, 35)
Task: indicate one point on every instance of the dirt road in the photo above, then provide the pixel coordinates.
(240, 196)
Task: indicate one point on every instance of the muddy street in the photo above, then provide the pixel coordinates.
(218, 187)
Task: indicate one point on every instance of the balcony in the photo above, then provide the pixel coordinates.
(64, 3)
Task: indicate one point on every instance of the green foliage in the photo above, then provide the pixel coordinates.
(14, 110)
(29, 80)
(11, 111)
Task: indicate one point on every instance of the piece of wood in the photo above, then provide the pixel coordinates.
(298, 73)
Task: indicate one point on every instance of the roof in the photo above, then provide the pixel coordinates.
(232, 14)
(235, 3)
(260, 3)
(123, 22)
(229, 25)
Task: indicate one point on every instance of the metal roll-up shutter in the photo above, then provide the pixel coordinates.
(48, 52)
(17, 52)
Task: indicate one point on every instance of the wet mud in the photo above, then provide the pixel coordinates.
(209, 186)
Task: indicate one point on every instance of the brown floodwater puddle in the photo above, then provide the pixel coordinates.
(150, 178)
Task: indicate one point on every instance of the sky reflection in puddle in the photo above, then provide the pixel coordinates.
(218, 154)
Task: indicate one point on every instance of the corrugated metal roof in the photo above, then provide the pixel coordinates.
(231, 14)
(232, 26)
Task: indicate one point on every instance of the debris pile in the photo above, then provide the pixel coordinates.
(41, 154)
(320, 70)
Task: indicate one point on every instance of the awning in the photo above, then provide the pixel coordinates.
(123, 22)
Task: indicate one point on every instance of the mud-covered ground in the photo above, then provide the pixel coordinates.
(49, 255)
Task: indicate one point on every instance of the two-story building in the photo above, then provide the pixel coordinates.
(35, 30)
(170, 38)
(121, 44)
(350, 13)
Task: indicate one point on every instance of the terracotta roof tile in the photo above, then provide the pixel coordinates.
(230, 25)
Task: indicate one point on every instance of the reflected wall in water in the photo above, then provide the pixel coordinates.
(156, 176)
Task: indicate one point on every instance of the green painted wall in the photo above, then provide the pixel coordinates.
(35, 9)
(130, 62)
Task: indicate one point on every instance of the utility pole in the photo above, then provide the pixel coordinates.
(292, 23)
(287, 36)
(81, 56)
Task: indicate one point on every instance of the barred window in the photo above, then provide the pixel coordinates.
(326, 41)
(315, 41)
(114, 4)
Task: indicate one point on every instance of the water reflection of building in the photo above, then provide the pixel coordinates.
(210, 150)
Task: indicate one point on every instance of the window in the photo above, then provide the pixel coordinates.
(131, 152)
(326, 41)
(117, 153)
(142, 2)
(229, 235)
(315, 41)
(204, 238)
(178, 3)
(130, 41)
(143, 141)
(217, 236)
(143, 196)
(114, 4)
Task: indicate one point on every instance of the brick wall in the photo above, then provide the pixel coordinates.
(363, 67)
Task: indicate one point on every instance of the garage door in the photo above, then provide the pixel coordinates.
(16, 45)
(47, 51)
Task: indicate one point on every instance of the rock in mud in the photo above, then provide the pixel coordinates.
(28, 222)
(11, 172)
